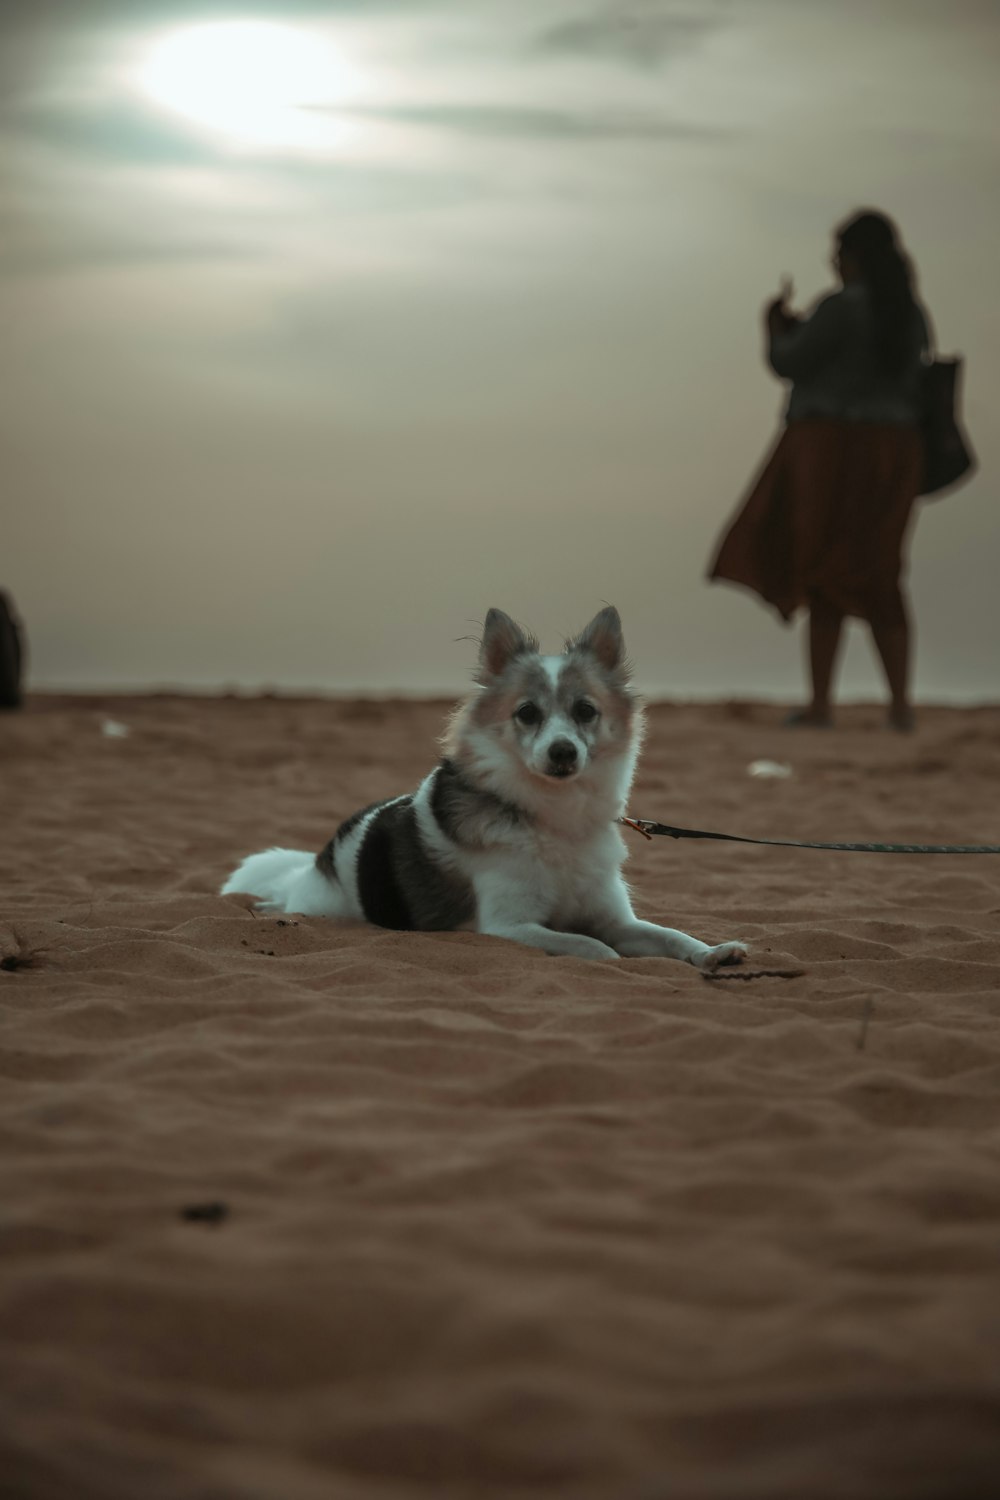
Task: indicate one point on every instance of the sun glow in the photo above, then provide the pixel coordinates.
(253, 83)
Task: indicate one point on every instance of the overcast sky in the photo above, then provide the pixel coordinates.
(481, 328)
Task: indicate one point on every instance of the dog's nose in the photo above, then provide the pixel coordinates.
(562, 753)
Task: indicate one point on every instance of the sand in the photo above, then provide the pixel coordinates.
(292, 1211)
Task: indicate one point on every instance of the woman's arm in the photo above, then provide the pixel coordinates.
(778, 316)
(779, 319)
(798, 346)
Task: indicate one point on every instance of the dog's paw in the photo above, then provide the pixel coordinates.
(722, 953)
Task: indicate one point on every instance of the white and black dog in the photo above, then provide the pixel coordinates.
(514, 832)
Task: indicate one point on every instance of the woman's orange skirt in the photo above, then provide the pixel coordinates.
(826, 518)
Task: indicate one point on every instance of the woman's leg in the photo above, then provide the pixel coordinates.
(891, 635)
(826, 624)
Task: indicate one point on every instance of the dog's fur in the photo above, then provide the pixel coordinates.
(514, 832)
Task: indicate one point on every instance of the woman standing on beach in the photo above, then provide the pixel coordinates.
(824, 523)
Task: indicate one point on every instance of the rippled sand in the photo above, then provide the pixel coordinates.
(291, 1211)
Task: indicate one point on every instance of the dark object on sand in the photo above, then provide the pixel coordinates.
(205, 1213)
(11, 654)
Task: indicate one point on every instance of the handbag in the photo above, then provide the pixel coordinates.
(948, 455)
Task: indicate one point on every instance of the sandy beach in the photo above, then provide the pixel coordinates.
(293, 1211)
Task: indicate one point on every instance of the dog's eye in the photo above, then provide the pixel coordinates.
(528, 713)
(584, 712)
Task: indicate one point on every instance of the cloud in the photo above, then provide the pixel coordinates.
(118, 131)
(109, 187)
(45, 15)
(641, 35)
(131, 135)
(98, 177)
(529, 122)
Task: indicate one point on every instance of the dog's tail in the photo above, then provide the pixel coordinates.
(288, 880)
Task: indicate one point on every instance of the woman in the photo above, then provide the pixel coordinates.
(823, 526)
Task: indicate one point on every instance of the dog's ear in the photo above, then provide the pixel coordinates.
(604, 640)
(503, 639)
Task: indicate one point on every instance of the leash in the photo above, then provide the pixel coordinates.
(648, 830)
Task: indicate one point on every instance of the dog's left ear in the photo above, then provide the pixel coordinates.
(503, 639)
(604, 640)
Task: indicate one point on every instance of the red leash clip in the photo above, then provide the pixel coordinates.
(638, 826)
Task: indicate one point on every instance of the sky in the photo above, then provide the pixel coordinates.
(304, 371)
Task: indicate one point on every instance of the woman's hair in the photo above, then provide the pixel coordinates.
(872, 240)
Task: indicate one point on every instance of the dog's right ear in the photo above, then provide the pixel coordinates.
(503, 639)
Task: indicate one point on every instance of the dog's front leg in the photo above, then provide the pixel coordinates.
(511, 910)
(646, 940)
(631, 938)
(535, 935)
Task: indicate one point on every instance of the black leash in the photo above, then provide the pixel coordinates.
(648, 829)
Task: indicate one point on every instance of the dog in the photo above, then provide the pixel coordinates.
(514, 833)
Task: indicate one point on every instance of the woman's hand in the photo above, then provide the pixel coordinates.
(777, 314)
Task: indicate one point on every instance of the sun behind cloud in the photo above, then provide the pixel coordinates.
(252, 83)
